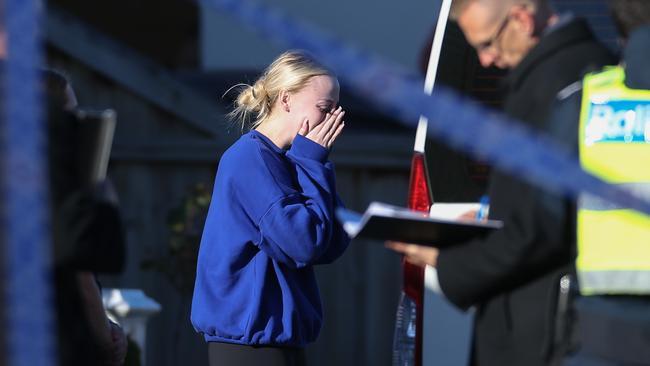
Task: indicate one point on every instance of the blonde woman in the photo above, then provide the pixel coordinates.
(256, 300)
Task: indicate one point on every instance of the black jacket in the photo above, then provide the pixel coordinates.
(512, 275)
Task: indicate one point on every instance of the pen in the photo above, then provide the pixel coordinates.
(484, 208)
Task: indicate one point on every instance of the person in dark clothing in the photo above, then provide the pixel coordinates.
(87, 236)
(613, 321)
(512, 275)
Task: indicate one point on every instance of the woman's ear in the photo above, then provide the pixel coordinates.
(285, 100)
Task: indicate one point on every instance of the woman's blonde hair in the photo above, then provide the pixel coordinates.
(290, 72)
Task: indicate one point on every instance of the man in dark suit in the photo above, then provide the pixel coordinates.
(512, 276)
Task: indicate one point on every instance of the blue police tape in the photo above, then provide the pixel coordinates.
(25, 225)
(454, 120)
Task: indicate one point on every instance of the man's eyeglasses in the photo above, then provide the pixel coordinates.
(490, 42)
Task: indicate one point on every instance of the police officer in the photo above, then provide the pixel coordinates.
(613, 243)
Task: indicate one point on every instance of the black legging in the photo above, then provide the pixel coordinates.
(226, 354)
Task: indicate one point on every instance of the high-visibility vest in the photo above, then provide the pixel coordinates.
(614, 243)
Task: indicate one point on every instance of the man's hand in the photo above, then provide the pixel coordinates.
(468, 216)
(417, 254)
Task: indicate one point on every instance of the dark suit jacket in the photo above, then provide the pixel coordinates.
(512, 275)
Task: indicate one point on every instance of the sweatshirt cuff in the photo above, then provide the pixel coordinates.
(307, 148)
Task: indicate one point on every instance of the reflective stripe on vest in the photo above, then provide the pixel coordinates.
(614, 243)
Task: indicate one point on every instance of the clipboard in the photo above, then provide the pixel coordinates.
(383, 222)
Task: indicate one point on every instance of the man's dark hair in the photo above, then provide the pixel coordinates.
(630, 15)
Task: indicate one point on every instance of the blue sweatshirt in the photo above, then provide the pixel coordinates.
(270, 220)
